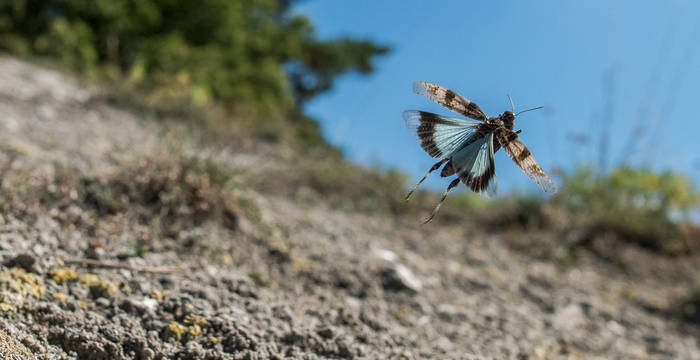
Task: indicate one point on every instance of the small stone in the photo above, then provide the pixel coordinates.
(147, 354)
(94, 251)
(446, 310)
(325, 332)
(569, 318)
(443, 344)
(102, 302)
(139, 306)
(24, 261)
(398, 277)
(384, 254)
(150, 304)
(616, 328)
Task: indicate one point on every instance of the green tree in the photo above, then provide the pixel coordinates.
(253, 52)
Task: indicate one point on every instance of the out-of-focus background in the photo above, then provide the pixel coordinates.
(226, 179)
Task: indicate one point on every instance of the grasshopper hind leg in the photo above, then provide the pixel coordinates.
(454, 183)
(435, 167)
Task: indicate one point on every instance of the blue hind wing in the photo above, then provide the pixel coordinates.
(440, 136)
(475, 166)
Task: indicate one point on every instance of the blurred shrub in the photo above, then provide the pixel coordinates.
(638, 205)
(166, 192)
(338, 183)
(523, 210)
(173, 191)
(629, 205)
(255, 53)
(652, 210)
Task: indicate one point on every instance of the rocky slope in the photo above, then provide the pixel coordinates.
(90, 273)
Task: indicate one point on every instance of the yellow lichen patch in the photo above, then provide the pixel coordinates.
(176, 330)
(196, 320)
(62, 275)
(156, 295)
(16, 285)
(194, 330)
(87, 279)
(60, 296)
(7, 307)
(125, 288)
(98, 286)
(213, 339)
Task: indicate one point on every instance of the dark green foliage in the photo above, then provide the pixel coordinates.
(245, 52)
(318, 65)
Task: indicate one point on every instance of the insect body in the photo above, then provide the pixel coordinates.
(466, 147)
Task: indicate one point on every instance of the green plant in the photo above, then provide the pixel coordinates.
(636, 204)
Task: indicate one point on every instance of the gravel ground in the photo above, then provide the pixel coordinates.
(290, 281)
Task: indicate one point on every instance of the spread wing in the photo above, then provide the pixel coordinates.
(517, 151)
(475, 166)
(449, 99)
(440, 136)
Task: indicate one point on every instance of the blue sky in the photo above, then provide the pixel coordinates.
(560, 54)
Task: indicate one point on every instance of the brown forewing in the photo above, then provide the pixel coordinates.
(449, 99)
(517, 151)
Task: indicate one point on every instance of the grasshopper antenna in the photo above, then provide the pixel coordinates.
(535, 108)
(512, 106)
